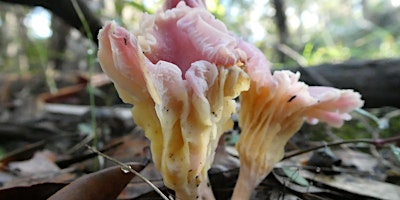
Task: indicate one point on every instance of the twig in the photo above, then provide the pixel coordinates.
(63, 163)
(377, 142)
(129, 168)
(302, 62)
(299, 59)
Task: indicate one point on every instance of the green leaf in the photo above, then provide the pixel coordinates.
(295, 177)
(233, 138)
(382, 124)
(138, 6)
(2, 152)
(396, 151)
(96, 91)
(85, 128)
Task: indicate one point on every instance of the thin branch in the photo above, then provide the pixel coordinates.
(378, 143)
(302, 62)
(125, 167)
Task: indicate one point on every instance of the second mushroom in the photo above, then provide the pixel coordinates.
(273, 110)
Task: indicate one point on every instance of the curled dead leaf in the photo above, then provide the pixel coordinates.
(105, 184)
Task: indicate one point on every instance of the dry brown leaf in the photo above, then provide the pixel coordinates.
(356, 185)
(102, 185)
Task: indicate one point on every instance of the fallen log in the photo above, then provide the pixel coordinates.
(377, 80)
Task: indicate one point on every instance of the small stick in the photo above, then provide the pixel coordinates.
(378, 142)
(129, 168)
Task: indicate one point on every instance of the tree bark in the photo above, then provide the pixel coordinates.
(281, 25)
(378, 81)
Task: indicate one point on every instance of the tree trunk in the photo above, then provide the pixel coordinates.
(280, 19)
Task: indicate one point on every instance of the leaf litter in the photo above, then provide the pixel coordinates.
(39, 161)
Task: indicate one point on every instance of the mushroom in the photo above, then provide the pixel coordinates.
(273, 110)
(181, 71)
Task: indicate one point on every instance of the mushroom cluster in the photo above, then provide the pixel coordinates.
(182, 70)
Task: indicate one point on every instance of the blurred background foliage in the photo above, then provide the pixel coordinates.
(322, 31)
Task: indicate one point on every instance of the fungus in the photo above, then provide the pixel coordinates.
(181, 72)
(273, 110)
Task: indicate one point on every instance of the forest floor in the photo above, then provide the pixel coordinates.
(43, 138)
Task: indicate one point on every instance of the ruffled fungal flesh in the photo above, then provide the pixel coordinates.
(273, 110)
(181, 71)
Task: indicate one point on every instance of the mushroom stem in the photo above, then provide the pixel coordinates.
(258, 160)
(244, 185)
(204, 191)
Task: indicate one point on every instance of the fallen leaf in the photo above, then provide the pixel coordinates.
(36, 191)
(101, 185)
(138, 187)
(356, 185)
(294, 176)
(23, 153)
(42, 162)
(396, 151)
(362, 161)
